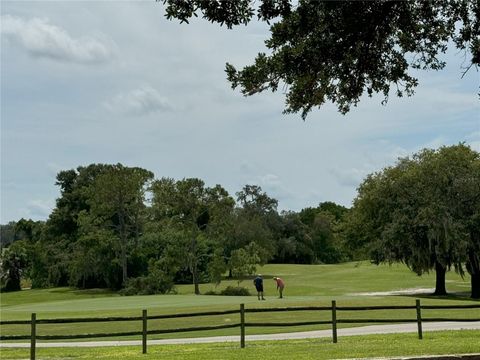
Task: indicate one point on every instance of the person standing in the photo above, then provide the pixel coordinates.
(258, 282)
(280, 285)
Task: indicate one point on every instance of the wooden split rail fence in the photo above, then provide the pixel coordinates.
(242, 324)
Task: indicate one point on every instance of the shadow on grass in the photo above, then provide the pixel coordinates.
(76, 291)
(93, 292)
(461, 296)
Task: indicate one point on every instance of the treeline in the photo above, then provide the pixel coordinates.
(118, 227)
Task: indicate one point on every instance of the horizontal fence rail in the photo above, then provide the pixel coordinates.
(282, 324)
(208, 313)
(304, 308)
(378, 321)
(198, 328)
(473, 306)
(242, 324)
(71, 320)
(369, 308)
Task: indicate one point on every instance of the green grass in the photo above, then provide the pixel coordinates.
(306, 285)
(304, 282)
(438, 343)
(38, 296)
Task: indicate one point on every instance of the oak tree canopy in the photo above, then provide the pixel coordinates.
(337, 51)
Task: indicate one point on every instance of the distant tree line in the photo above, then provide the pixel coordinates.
(118, 227)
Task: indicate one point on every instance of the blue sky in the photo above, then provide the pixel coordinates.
(108, 82)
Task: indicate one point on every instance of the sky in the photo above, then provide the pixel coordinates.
(116, 82)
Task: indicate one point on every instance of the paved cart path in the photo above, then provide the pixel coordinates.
(363, 330)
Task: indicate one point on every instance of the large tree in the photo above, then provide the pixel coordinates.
(117, 203)
(338, 51)
(197, 215)
(256, 220)
(423, 211)
(324, 224)
(53, 253)
(90, 234)
(294, 243)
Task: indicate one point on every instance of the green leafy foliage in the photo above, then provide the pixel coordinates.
(235, 291)
(103, 234)
(217, 266)
(13, 262)
(244, 261)
(199, 215)
(158, 281)
(424, 212)
(338, 51)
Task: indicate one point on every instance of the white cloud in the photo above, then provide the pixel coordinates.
(435, 143)
(367, 159)
(40, 209)
(212, 133)
(350, 177)
(54, 168)
(474, 135)
(270, 183)
(270, 180)
(474, 140)
(142, 101)
(44, 40)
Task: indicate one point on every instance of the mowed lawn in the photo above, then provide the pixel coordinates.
(371, 346)
(306, 285)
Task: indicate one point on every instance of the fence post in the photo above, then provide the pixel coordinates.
(33, 339)
(144, 331)
(334, 321)
(419, 319)
(242, 326)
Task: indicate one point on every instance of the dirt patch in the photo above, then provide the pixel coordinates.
(414, 291)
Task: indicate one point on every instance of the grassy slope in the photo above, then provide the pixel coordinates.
(306, 285)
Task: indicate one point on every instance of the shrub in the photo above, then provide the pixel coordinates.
(211, 292)
(235, 291)
(13, 262)
(156, 282)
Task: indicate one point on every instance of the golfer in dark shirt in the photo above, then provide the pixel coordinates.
(258, 282)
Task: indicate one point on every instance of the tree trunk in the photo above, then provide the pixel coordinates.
(473, 267)
(124, 265)
(195, 279)
(440, 271)
(194, 266)
(123, 255)
(123, 245)
(475, 285)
